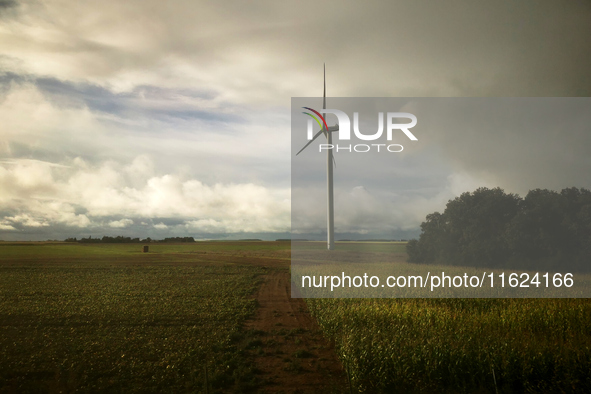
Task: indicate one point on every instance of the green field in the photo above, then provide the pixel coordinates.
(108, 318)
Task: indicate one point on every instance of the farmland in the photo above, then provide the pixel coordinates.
(456, 345)
(108, 318)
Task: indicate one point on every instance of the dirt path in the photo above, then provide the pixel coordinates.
(292, 355)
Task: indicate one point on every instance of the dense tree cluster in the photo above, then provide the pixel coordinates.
(490, 228)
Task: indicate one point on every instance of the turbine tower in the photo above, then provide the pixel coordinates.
(327, 131)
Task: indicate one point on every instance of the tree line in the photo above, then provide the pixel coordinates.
(546, 230)
(121, 239)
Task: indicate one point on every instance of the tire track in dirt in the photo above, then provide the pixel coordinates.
(290, 352)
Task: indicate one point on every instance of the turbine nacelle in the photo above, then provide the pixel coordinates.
(324, 131)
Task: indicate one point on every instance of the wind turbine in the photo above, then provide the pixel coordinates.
(327, 131)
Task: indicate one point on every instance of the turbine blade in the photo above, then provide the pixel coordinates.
(334, 161)
(309, 142)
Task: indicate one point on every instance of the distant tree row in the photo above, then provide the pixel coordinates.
(490, 228)
(372, 240)
(178, 239)
(120, 239)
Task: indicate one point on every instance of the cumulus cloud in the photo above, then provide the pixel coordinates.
(26, 220)
(78, 167)
(41, 194)
(121, 223)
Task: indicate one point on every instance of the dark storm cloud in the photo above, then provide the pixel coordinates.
(518, 144)
(271, 51)
(9, 9)
(7, 4)
(426, 48)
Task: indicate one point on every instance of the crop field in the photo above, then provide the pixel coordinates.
(461, 345)
(108, 318)
(448, 345)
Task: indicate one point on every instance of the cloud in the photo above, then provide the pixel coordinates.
(41, 126)
(121, 223)
(26, 220)
(516, 143)
(378, 209)
(7, 7)
(6, 227)
(269, 52)
(144, 101)
(40, 194)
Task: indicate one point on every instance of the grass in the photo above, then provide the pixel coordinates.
(108, 318)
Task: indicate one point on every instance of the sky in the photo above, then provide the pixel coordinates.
(150, 118)
(384, 186)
